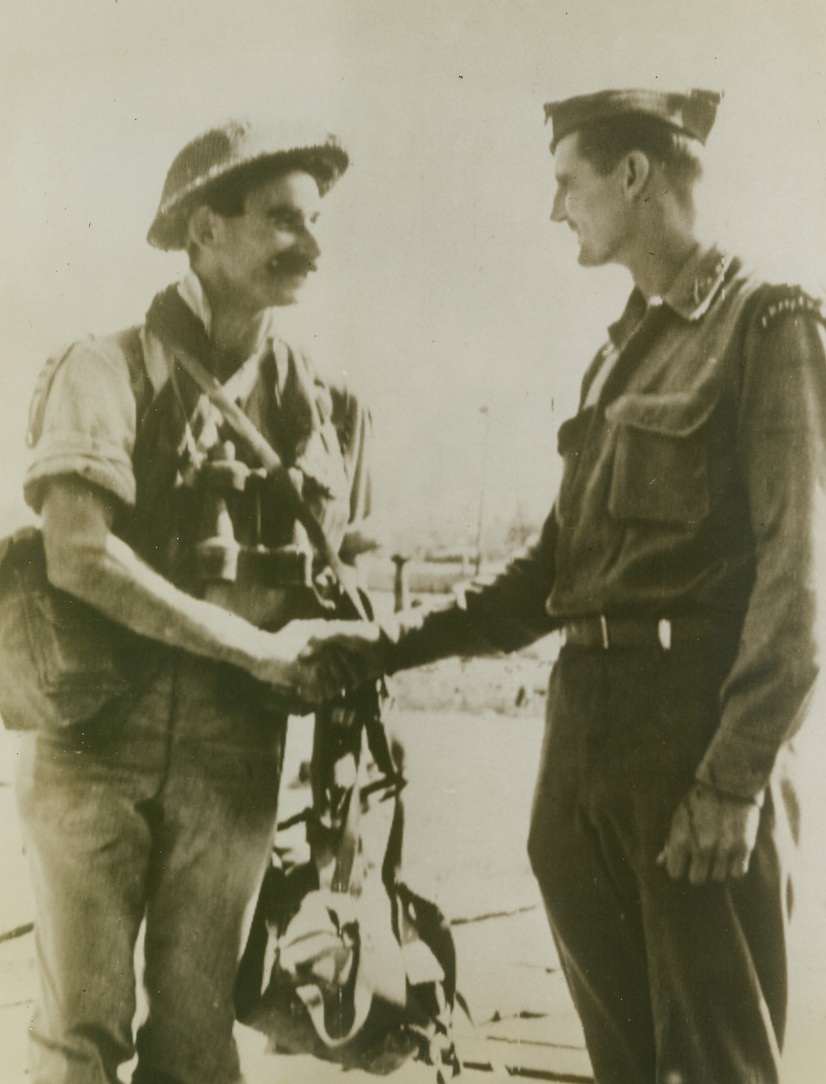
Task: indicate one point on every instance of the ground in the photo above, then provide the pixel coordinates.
(472, 734)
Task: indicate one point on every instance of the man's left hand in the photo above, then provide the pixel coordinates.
(712, 836)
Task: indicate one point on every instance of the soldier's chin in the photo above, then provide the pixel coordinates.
(287, 288)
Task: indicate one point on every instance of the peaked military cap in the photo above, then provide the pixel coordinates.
(692, 112)
(232, 146)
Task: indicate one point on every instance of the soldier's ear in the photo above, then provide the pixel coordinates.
(203, 226)
(636, 169)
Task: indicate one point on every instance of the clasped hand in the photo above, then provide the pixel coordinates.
(712, 836)
(312, 662)
(340, 657)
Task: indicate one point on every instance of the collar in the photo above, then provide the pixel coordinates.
(690, 295)
(635, 309)
(192, 293)
(158, 347)
(155, 359)
(698, 283)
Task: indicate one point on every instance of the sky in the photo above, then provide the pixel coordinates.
(444, 295)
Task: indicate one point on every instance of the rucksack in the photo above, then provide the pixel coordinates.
(349, 965)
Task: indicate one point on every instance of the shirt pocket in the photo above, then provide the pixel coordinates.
(662, 455)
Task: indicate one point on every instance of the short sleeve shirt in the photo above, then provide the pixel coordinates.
(91, 413)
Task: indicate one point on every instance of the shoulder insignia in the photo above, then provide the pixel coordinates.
(791, 301)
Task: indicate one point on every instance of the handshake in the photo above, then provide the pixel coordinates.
(312, 662)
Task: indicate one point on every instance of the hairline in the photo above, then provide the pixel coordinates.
(639, 131)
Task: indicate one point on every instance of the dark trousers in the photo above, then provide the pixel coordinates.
(674, 983)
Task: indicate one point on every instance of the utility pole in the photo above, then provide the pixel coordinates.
(484, 411)
(401, 587)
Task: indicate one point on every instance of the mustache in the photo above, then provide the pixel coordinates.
(293, 263)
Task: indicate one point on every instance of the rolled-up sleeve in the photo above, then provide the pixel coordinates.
(83, 422)
(782, 457)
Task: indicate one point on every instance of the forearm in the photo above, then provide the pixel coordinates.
(115, 581)
(503, 616)
(467, 631)
(85, 559)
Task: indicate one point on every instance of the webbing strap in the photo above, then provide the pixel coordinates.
(244, 428)
(347, 877)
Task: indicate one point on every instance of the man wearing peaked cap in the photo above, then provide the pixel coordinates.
(161, 808)
(692, 114)
(682, 563)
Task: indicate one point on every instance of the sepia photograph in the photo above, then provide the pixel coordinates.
(412, 541)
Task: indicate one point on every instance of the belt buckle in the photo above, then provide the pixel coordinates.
(664, 633)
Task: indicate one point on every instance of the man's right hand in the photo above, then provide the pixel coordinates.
(341, 655)
(86, 559)
(276, 658)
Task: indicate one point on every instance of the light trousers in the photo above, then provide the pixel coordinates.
(163, 814)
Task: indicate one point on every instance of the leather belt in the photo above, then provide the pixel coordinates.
(607, 632)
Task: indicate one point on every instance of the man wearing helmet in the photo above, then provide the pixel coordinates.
(161, 809)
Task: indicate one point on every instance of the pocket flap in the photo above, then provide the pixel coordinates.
(677, 414)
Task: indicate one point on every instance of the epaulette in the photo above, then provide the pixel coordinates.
(790, 301)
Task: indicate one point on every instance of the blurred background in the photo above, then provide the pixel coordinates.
(444, 295)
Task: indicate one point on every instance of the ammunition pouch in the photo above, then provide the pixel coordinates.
(269, 586)
(280, 567)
